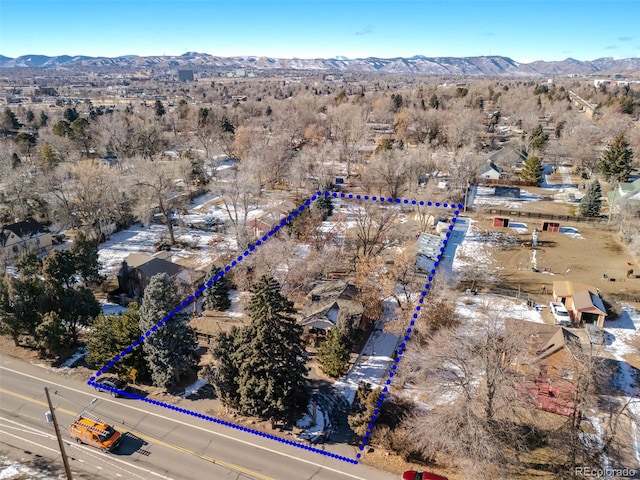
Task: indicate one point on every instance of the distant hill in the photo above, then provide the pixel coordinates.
(419, 64)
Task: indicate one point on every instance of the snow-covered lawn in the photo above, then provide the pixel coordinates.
(476, 307)
(135, 239)
(374, 360)
(624, 330)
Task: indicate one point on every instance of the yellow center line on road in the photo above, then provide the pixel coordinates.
(147, 438)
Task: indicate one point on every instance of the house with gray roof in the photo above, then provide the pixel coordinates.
(26, 236)
(332, 304)
(138, 268)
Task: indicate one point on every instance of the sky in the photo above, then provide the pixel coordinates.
(524, 30)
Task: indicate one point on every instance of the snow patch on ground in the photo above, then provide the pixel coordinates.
(109, 308)
(313, 424)
(80, 353)
(624, 330)
(10, 470)
(193, 388)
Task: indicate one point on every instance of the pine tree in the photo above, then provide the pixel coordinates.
(333, 354)
(170, 351)
(51, 334)
(48, 155)
(224, 376)
(616, 160)
(538, 139)
(324, 205)
(270, 361)
(111, 335)
(532, 170)
(216, 297)
(592, 201)
(362, 409)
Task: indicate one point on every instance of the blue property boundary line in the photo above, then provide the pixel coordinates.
(283, 222)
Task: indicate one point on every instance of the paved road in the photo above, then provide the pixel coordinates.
(158, 443)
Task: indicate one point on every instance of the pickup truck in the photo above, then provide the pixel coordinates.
(94, 432)
(560, 313)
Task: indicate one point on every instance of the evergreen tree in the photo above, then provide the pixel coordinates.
(270, 357)
(532, 170)
(70, 114)
(86, 261)
(216, 297)
(615, 163)
(170, 351)
(362, 409)
(434, 102)
(111, 335)
(538, 139)
(224, 376)
(159, 108)
(333, 354)
(51, 335)
(62, 128)
(44, 119)
(48, 155)
(324, 205)
(592, 201)
(24, 299)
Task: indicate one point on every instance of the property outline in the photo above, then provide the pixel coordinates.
(283, 222)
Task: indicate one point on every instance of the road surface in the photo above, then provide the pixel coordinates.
(157, 443)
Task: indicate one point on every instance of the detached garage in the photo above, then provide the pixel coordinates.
(500, 222)
(588, 308)
(550, 227)
(581, 301)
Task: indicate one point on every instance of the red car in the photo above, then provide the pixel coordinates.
(413, 475)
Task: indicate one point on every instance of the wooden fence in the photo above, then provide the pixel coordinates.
(549, 216)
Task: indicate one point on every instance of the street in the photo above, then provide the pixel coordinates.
(157, 443)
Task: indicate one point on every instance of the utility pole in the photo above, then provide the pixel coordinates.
(60, 443)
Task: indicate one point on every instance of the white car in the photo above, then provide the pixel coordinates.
(560, 313)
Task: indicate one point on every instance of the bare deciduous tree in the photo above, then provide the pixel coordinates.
(157, 189)
(372, 227)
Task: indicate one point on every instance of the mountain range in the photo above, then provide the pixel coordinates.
(475, 66)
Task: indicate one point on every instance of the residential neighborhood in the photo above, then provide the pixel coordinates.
(259, 267)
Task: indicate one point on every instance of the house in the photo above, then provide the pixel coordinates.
(489, 171)
(26, 236)
(508, 157)
(547, 364)
(262, 224)
(581, 301)
(332, 303)
(627, 192)
(138, 268)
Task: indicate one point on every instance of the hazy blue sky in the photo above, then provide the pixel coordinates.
(524, 30)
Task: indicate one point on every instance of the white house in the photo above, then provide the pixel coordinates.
(490, 171)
